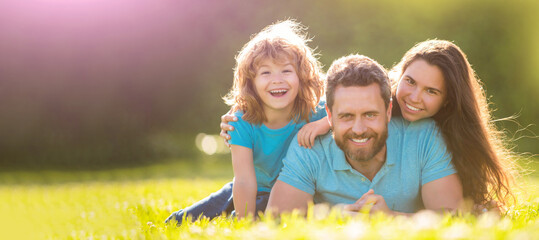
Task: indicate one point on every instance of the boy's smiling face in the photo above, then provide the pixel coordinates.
(277, 85)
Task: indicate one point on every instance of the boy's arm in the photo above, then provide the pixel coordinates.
(245, 187)
(310, 131)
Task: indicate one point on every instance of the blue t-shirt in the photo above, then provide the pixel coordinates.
(269, 145)
(416, 154)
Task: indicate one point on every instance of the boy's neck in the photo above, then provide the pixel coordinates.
(277, 118)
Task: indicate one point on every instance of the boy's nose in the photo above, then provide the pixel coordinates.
(277, 79)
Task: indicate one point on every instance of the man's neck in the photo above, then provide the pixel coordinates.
(370, 167)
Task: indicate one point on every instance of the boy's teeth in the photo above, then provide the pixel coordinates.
(359, 140)
(413, 108)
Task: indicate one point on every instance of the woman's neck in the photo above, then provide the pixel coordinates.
(276, 119)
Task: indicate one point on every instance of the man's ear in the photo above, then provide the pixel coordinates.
(329, 115)
(389, 107)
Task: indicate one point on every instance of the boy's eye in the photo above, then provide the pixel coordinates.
(287, 71)
(264, 72)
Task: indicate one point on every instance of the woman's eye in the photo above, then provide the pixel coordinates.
(410, 81)
(432, 91)
(264, 72)
(287, 71)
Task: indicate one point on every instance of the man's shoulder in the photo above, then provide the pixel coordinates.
(317, 152)
(425, 125)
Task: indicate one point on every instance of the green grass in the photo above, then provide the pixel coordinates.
(132, 204)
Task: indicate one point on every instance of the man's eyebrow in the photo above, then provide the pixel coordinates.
(372, 112)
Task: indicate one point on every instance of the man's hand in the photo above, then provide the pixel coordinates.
(369, 202)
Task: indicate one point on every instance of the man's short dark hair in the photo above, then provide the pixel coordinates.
(356, 70)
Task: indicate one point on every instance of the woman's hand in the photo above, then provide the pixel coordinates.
(225, 127)
(310, 131)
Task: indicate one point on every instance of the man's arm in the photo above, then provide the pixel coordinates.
(285, 198)
(443, 193)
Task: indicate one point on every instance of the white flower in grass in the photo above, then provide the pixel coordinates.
(488, 220)
(457, 231)
(355, 229)
(426, 219)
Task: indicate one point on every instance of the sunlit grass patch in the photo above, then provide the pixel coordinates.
(115, 204)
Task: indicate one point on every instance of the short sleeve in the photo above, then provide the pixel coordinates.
(320, 111)
(298, 170)
(437, 158)
(242, 134)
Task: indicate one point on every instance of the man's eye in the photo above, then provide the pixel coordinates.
(370, 115)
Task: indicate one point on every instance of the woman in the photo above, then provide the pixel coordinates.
(434, 79)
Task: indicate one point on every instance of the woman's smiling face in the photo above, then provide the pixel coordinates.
(421, 92)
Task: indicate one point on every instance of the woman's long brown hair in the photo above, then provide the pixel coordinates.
(483, 164)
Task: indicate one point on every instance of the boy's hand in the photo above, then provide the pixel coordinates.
(310, 131)
(225, 127)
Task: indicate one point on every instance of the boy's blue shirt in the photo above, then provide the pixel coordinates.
(416, 154)
(269, 145)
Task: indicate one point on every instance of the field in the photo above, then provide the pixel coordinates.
(132, 204)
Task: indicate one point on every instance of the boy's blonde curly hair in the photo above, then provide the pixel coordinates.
(279, 42)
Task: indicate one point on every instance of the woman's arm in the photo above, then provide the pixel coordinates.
(245, 187)
(225, 127)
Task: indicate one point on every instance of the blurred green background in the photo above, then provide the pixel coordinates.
(94, 83)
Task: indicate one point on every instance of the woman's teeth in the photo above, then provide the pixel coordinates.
(412, 108)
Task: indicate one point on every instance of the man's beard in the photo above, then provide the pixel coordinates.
(362, 154)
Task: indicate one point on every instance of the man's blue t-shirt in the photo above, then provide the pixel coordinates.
(416, 154)
(269, 145)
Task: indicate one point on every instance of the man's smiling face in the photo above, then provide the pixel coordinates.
(359, 121)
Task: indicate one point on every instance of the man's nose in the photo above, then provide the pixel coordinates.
(359, 126)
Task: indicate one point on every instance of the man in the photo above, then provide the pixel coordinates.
(359, 162)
